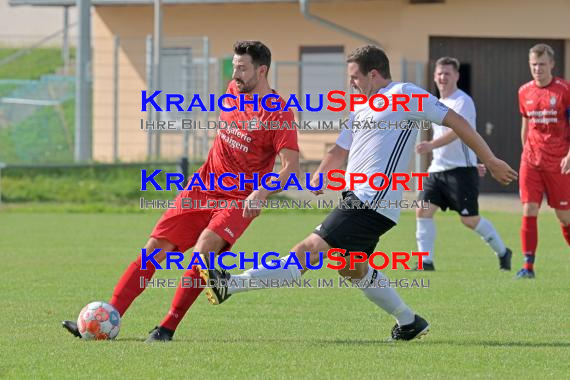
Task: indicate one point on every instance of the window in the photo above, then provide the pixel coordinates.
(322, 69)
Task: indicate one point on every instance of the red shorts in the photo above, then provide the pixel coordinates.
(534, 183)
(182, 226)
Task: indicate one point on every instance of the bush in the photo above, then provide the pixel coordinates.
(92, 185)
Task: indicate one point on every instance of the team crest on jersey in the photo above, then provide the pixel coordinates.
(378, 102)
(552, 100)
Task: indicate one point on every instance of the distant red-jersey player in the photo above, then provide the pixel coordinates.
(544, 104)
(235, 150)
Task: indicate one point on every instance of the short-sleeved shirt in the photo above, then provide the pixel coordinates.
(388, 150)
(456, 154)
(547, 110)
(250, 149)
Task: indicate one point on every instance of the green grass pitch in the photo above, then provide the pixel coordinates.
(484, 324)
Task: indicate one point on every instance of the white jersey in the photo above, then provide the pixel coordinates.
(455, 154)
(386, 150)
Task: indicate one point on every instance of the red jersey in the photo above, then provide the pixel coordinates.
(249, 148)
(547, 110)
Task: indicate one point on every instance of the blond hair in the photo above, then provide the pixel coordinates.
(540, 49)
(443, 61)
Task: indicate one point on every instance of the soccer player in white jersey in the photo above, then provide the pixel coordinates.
(453, 174)
(368, 151)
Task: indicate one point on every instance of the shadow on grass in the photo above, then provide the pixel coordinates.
(381, 341)
(351, 342)
(463, 343)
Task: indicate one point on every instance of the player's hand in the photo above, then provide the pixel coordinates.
(252, 206)
(502, 172)
(315, 183)
(482, 170)
(424, 147)
(565, 165)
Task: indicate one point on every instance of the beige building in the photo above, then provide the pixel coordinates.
(491, 37)
(26, 25)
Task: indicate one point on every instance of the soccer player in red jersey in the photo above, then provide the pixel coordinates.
(544, 104)
(234, 150)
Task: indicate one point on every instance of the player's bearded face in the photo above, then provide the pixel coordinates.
(541, 67)
(245, 74)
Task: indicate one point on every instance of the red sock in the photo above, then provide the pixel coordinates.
(183, 299)
(129, 286)
(529, 240)
(566, 232)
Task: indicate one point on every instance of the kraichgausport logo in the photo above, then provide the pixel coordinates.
(271, 103)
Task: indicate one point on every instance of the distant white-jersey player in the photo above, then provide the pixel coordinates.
(453, 180)
(455, 154)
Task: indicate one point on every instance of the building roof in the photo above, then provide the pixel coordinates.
(138, 2)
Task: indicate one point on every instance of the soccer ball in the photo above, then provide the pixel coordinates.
(99, 321)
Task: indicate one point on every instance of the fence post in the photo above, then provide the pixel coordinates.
(65, 47)
(84, 86)
(274, 75)
(117, 44)
(187, 89)
(204, 134)
(184, 167)
(2, 166)
(156, 68)
(149, 87)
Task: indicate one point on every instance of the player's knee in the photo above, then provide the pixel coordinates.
(419, 213)
(424, 213)
(563, 216)
(470, 221)
(357, 273)
(313, 244)
(210, 241)
(300, 250)
(530, 209)
(162, 244)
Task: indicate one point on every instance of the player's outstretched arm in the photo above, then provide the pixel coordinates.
(427, 146)
(289, 164)
(334, 159)
(499, 169)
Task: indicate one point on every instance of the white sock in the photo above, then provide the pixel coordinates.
(387, 298)
(425, 236)
(488, 233)
(241, 282)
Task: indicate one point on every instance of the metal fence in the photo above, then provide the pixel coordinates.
(121, 130)
(37, 117)
(36, 120)
(36, 98)
(187, 68)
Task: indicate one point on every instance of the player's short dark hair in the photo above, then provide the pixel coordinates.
(259, 53)
(448, 61)
(541, 49)
(370, 58)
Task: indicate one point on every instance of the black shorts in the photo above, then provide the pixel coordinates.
(353, 229)
(456, 189)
